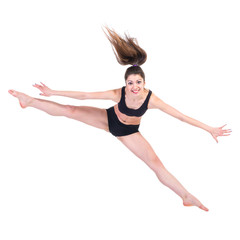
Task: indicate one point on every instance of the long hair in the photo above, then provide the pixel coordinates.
(127, 51)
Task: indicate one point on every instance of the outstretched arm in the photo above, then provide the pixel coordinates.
(106, 95)
(156, 102)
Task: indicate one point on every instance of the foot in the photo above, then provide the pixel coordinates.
(24, 100)
(190, 200)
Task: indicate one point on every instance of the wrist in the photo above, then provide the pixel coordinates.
(54, 92)
(208, 129)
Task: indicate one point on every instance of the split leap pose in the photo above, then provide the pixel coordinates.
(123, 119)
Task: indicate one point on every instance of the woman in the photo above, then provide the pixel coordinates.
(123, 119)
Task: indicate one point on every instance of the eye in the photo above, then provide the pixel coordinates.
(139, 82)
(129, 83)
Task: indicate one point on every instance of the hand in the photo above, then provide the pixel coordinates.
(47, 92)
(216, 132)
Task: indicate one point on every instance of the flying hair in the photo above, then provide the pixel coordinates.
(126, 50)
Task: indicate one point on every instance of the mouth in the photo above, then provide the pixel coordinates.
(135, 91)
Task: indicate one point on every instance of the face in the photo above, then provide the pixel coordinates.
(135, 84)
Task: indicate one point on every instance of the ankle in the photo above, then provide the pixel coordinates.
(186, 196)
(31, 102)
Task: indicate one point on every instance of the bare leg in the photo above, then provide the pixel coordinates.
(142, 149)
(95, 117)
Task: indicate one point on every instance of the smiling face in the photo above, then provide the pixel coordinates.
(135, 84)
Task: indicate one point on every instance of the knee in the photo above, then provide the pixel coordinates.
(156, 164)
(69, 110)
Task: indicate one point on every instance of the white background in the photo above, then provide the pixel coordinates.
(61, 179)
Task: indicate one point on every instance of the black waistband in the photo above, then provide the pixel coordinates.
(118, 128)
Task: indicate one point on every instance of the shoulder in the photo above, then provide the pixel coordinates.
(154, 101)
(113, 95)
(116, 94)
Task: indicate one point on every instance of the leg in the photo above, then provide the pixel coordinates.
(137, 144)
(95, 117)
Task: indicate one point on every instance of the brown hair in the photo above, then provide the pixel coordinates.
(127, 51)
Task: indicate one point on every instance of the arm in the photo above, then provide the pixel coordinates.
(106, 95)
(157, 103)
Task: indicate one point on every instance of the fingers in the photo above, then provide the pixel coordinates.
(42, 88)
(223, 126)
(39, 86)
(215, 138)
(226, 132)
(223, 134)
(219, 132)
(225, 129)
(45, 91)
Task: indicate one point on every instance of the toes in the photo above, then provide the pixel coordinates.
(204, 208)
(12, 92)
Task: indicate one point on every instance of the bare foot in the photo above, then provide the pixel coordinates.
(190, 200)
(24, 100)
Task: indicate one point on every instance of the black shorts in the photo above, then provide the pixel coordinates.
(116, 127)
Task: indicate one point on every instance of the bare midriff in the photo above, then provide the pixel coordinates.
(128, 120)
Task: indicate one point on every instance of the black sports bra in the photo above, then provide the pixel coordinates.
(133, 112)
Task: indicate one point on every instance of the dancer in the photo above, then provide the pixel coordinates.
(123, 119)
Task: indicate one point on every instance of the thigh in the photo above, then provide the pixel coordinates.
(92, 116)
(138, 145)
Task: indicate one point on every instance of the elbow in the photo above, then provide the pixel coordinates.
(181, 118)
(83, 96)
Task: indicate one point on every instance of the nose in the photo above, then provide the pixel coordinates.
(134, 85)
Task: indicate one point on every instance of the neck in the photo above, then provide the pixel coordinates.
(134, 98)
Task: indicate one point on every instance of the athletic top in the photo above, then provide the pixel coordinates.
(133, 112)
